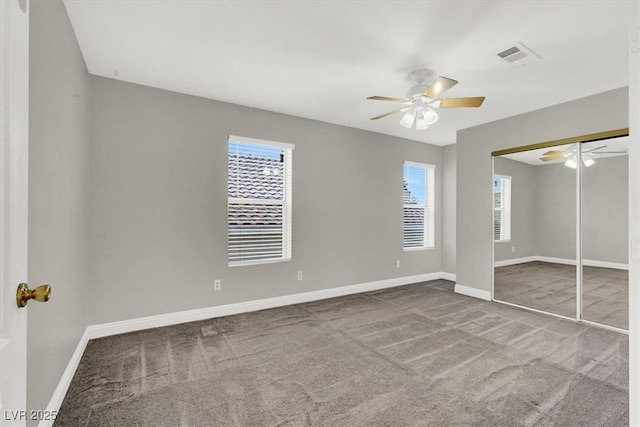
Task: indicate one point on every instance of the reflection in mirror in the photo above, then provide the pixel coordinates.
(534, 197)
(605, 278)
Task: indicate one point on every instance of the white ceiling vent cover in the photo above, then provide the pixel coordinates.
(518, 54)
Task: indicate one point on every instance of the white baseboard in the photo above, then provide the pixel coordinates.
(605, 264)
(564, 261)
(472, 292)
(448, 276)
(124, 326)
(515, 261)
(65, 381)
(132, 325)
(554, 260)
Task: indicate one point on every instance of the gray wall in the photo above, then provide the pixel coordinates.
(523, 209)
(597, 113)
(605, 214)
(159, 203)
(58, 197)
(449, 208)
(556, 211)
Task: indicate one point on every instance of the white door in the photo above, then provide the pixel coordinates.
(14, 126)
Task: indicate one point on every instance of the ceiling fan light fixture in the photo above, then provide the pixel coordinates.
(587, 160)
(421, 122)
(408, 119)
(436, 103)
(430, 116)
(571, 162)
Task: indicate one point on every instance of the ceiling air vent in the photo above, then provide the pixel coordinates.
(518, 54)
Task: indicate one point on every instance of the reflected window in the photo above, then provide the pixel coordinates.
(501, 208)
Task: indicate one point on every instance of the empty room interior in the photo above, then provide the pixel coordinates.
(329, 213)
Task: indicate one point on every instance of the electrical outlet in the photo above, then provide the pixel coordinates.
(398, 264)
(513, 248)
(217, 285)
(299, 275)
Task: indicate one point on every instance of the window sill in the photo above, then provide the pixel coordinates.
(260, 262)
(423, 248)
(501, 241)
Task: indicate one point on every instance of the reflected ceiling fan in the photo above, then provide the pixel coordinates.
(571, 158)
(423, 98)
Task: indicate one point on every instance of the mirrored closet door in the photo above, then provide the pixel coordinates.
(605, 192)
(560, 227)
(535, 211)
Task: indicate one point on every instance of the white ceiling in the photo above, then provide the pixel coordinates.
(321, 59)
(603, 149)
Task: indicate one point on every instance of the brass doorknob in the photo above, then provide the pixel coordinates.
(24, 294)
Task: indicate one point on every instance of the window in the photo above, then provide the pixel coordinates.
(501, 208)
(259, 208)
(418, 201)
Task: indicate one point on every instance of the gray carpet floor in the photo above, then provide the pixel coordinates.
(412, 355)
(552, 288)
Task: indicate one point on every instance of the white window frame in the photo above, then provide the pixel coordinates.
(505, 209)
(286, 202)
(428, 241)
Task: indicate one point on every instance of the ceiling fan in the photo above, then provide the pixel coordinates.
(423, 98)
(572, 158)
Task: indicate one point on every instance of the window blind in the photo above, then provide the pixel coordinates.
(259, 201)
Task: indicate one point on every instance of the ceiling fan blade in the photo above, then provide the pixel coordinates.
(554, 152)
(439, 86)
(554, 157)
(475, 101)
(594, 149)
(381, 116)
(550, 158)
(386, 98)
